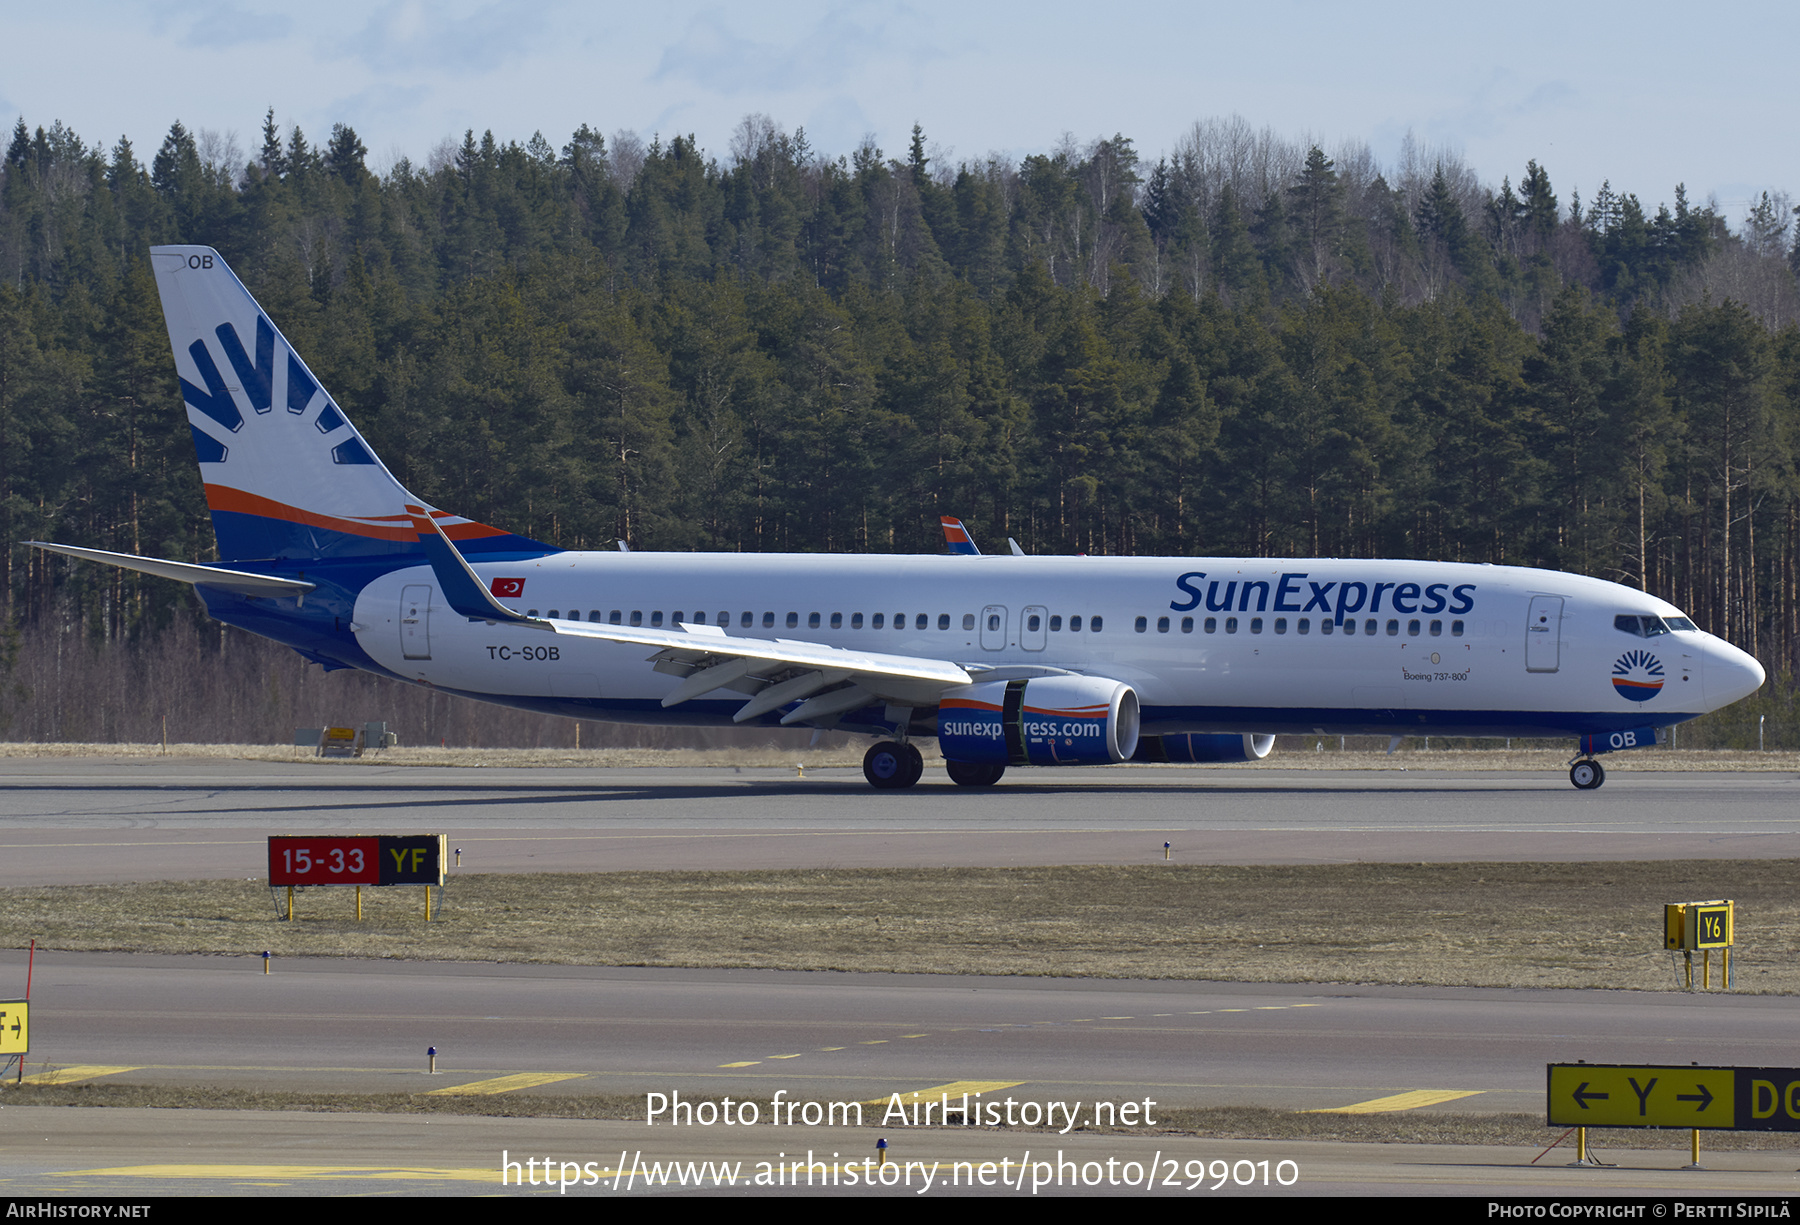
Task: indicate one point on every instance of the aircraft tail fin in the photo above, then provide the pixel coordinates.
(286, 473)
(957, 537)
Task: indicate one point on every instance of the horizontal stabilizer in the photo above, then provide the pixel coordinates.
(238, 581)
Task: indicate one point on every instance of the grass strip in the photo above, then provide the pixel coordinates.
(1577, 925)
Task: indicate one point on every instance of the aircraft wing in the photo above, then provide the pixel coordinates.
(240, 581)
(827, 681)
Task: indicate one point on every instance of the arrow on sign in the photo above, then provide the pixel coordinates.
(1581, 1097)
(1704, 1097)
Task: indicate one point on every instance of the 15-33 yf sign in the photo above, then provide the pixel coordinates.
(415, 859)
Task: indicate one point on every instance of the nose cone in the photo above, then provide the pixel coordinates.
(1730, 674)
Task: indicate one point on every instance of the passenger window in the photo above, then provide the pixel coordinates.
(1327, 625)
(1093, 625)
(1056, 624)
(812, 621)
(878, 621)
(1437, 629)
(1456, 629)
(1305, 626)
(1143, 623)
(1412, 629)
(614, 616)
(993, 621)
(1369, 627)
(1231, 625)
(969, 621)
(675, 618)
(855, 621)
(553, 615)
(1256, 625)
(1162, 625)
(747, 620)
(944, 621)
(1393, 628)
(793, 620)
(923, 621)
(1212, 625)
(637, 616)
(1187, 625)
(837, 621)
(1074, 625)
(656, 617)
(768, 620)
(724, 620)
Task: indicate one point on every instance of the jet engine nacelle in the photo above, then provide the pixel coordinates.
(1042, 721)
(1203, 747)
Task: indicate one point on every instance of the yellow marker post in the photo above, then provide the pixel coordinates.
(359, 903)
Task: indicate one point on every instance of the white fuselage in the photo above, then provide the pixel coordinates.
(1209, 644)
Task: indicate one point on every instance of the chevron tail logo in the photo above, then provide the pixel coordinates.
(1637, 676)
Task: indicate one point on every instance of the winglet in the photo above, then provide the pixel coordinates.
(461, 585)
(957, 537)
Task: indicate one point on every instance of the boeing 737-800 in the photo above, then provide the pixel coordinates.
(1006, 660)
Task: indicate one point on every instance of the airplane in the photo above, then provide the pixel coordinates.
(1007, 660)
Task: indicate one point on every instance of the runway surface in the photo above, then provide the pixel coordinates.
(64, 822)
(818, 1041)
(364, 1027)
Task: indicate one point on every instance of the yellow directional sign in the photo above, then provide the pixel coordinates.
(1617, 1095)
(15, 1027)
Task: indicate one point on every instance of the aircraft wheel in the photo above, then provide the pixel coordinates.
(891, 765)
(1587, 775)
(974, 773)
(915, 765)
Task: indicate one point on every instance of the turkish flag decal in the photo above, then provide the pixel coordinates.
(507, 588)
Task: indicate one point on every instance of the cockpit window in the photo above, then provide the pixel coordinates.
(1645, 627)
(1682, 623)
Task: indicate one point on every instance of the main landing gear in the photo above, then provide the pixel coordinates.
(893, 766)
(974, 773)
(1587, 774)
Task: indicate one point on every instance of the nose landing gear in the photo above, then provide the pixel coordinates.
(1587, 774)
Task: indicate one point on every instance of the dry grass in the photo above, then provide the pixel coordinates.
(1490, 925)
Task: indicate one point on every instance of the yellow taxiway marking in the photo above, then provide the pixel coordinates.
(1400, 1101)
(872, 1042)
(831, 1048)
(785, 1056)
(74, 1073)
(505, 1084)
(915, 1035)
(954, 1090)
(1118, 1018)
(748, 1063)
(288, 1173)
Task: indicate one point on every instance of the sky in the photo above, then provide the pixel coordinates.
(1645, 95)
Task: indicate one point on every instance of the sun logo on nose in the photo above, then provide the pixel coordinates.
(1638, 676)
